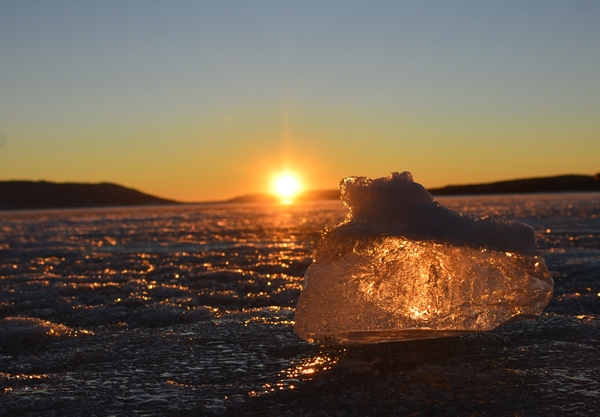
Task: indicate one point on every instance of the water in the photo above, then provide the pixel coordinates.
(189, 311)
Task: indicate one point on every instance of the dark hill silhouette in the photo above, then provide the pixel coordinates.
(253, 198)
(562, 183)
(42, 194)
(305, 196)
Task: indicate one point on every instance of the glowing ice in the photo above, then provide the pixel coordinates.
(403, 267)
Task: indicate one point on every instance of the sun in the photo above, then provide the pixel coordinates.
(286, 186)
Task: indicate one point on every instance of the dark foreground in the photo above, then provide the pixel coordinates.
(542, 369)
(188, 311)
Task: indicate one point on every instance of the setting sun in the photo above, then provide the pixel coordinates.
(286, 186)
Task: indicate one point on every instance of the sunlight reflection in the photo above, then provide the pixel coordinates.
(306, 370)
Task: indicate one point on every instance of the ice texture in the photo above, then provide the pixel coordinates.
(403, 267)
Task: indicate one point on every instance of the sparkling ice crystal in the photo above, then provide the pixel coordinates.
(403, 267)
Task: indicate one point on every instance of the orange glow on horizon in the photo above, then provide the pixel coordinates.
(286, 186)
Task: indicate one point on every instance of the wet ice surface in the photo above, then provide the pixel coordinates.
(189, 311)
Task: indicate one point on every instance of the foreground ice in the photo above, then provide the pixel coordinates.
(402, 267)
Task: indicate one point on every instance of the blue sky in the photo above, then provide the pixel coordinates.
(207, 100)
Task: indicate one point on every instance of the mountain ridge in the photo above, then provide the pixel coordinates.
(560, 183)
(17, 195)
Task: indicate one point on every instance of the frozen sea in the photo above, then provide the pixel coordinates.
(188, 311)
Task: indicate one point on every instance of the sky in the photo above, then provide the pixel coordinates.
(207, 100)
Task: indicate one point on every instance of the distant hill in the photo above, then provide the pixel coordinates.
(42, 194)
(16, 195)
(563, 183)
(305, 196)
(252, 198)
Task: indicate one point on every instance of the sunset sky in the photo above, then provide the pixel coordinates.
(200, 101)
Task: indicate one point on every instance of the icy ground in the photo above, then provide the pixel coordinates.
(187, 311)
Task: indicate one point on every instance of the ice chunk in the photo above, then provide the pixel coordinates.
(403, 267)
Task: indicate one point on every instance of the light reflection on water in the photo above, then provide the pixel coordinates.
(191, 308)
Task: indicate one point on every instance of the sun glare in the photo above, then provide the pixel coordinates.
(286, 187)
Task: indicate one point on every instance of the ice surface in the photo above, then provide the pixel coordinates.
(17, 332)
(403, 267)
